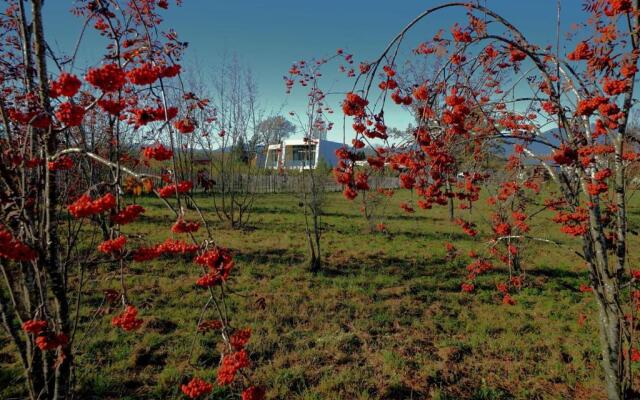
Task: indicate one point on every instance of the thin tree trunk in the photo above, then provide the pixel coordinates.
(610, 322)
(60, 383)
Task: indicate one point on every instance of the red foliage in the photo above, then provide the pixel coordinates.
(349, 193)
(146, 254)
(459, 35)
(516, 55)
(597, 188)
(628, 70)
(407, 208)
(171, 246)
(219, 263)
(467, 227)
(585, 288)
(362, 181)
(635, 355)
(616, 7)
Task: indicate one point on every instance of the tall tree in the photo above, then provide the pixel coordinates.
(274, 129)
(496, 86)
(64, 168)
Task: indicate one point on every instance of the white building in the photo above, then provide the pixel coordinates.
(299, 154)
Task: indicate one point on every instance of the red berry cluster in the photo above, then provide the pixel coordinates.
(196, 388)
(158, 152)
(70, 114)
(143, 116)
(148, 73)
(210, 325)
(45, 339)
(37, 119)
(231, 364)
(240, 338)
(128, 320)
(108, 78)
(127, 214)
(113, 246)
(170, 190)
(185, 125)
(467, 227)
(85, 207)
(253, 393)
(111, 106)
(219, 262)
(145, 74)
(573, 223)
(354, 105)
(35, 327)
(66, 85)
(181, 226)
(13, 249)
(169, 246)
(62, 163)
(51, 341)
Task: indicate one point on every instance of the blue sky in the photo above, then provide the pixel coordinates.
(268, 35)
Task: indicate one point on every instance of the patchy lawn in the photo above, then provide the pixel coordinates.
(385, 319)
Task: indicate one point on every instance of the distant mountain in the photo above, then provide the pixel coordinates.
(540, 149)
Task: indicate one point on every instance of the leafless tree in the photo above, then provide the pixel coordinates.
(230, 125)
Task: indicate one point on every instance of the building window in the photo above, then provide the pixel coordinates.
(304, 154)
(272, 158)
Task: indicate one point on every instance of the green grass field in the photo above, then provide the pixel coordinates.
(385, 319)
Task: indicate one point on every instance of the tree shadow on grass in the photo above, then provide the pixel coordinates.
(437, 236)
(407, 268)
(441, 273)
(552, 273)
(268, 256)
